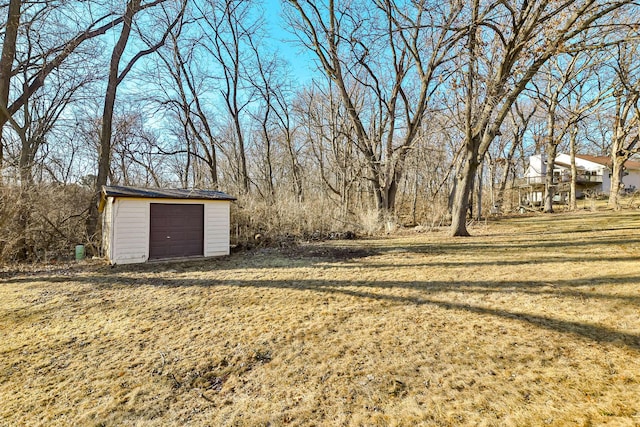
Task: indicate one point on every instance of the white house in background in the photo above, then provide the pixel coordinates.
(142, 224)
(594, 177)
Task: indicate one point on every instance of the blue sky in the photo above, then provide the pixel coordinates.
(300, 59)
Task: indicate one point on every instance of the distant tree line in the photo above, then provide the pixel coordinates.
(414, 113)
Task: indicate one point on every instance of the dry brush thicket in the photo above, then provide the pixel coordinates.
(42, 224)
(534, 321)
(45, 223)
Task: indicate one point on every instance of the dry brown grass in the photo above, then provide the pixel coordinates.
(533, 321)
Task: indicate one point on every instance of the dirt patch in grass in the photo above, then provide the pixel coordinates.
(533, 321)
(328, 253)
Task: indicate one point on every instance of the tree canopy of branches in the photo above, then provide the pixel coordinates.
(381, 112)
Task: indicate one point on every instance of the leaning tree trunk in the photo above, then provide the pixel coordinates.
(8, 54)
(463, 188)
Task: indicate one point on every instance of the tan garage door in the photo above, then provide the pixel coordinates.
(176, 230)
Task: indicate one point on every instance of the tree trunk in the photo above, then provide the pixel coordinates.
(505, 172)
(295, 169)
(478, 215)
(390, 190)
(267, 141)
(617, 158)
(465, 181)
(379, 197)
(617, 169)
(574, 170)
(244, 175)
(414, 201)
(23, 213)
(187, 166)
(463, 188)
(104, 155)
(6, 63)
(549, 178)
(389, 194)
(454, 189)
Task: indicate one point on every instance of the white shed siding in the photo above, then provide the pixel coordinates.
(107, 230)
(216, 228)
(126, 227)
(130, 230)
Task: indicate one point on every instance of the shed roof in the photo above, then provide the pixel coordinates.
(164, 193)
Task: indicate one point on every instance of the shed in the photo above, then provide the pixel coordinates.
(143, 224)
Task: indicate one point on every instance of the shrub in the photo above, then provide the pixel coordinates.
(42, 223)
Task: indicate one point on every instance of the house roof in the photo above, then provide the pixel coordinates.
(606, 161)
(164, 193)
(567, 165)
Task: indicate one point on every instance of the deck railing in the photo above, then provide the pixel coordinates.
(541, 179)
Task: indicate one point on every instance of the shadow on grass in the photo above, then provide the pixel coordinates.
(487, 250)
(596, 333)
(455, 264)
(428, 296)
(586, 229)
(470, 246)
(593, 332)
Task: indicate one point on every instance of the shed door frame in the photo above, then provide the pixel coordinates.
(181, 224)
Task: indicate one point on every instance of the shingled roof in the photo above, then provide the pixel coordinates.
(606, 161)
(164, 193)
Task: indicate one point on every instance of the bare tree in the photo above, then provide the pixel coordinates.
(586, 95)
(327, 131)
(52, 57)
(570, 92)
(286, 130)
(502, 159)
(385, 64)
(625, 135)
(134, 157)
(557, 73)
(229, 28)
(185, 92)
(6, 63)
(116, 76)
(518, 38)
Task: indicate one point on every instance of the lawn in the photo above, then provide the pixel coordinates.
(532, 321)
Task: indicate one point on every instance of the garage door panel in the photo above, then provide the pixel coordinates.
(176, 230)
